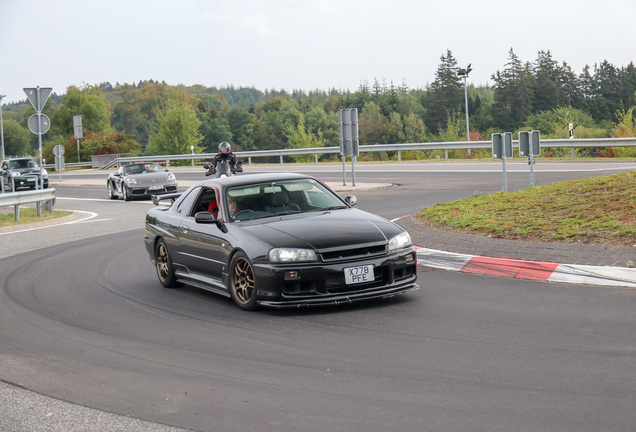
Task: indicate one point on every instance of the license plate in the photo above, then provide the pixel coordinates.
(155, 187)
(360, 274)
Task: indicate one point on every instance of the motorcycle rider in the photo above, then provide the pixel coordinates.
(226, 155)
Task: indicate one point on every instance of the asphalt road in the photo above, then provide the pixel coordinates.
(83, 319)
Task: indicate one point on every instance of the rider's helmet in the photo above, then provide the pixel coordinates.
(224, 147)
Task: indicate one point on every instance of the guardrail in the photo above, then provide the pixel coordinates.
(16, 199)
(452, 145)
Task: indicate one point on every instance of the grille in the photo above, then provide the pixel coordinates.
(358, 252)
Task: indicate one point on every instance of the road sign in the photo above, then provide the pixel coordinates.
(32, 94)
(58, 150)
(502, 145)
(349, 131)
(529, 143)
(77, 126)
(35, 127)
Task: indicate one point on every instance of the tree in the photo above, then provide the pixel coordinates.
(214, 125)
(176, 130)
(514, 93)
(17, 140)
(299, 137)
(447, 94)
(90, 103)
(371, 125)
(548, 93)
(318, 121)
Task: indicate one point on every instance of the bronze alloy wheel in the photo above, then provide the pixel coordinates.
(163, 263)
(242, 284)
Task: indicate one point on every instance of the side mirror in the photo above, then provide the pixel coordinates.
(351, 200)
(204, 217)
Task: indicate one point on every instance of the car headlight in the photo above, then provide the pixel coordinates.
(400, 241)
(15, 174)
(171, 177)
(291, 255)
(44, 172)
(131, 180)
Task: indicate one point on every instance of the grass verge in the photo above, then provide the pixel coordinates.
(598, 210)
(30, 215)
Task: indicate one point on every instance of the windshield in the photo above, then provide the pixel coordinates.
(22, 163)
(142, 168)
(278, 198)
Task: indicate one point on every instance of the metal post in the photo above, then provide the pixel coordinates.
(37, 184)
(466, 99)
(344, 171)
(531, 162)
(505, 179)
(1, 127)
(353, 170)
(1, 140)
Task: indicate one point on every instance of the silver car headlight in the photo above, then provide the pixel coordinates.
(400, 241)
(15, 174)
(44, 172)
(291, 255)
(131, 180)
(171, 177)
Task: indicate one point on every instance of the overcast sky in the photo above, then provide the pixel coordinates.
(296, 44)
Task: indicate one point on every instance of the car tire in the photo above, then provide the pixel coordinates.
(111, 193)
(242, 283)
(163, 264)
(124, 193)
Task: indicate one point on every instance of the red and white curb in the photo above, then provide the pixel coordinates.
(524, 269)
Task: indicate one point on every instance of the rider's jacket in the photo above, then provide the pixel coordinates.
(229, 157)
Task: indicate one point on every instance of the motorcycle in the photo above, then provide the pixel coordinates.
(223, 168)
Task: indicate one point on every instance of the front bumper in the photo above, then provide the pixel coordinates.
(321, 284)
(146, 192)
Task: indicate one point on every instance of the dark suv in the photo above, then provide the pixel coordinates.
(22, 172)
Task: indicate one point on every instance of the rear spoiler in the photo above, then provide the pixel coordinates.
(167, 196)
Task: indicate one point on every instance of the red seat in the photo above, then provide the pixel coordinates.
(213, 207)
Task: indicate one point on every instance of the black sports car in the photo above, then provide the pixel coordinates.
(277, 240)
(140, 180)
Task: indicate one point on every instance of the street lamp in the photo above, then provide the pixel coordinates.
(463, 73)
(1, 127)
(1, 139)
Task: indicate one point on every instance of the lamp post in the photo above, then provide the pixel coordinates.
(463, 73)
(1, 127)
(2, 140)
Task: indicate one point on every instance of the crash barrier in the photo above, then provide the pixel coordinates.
(453, 145)
(15, 199)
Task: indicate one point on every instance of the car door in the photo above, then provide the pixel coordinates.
(203, 245)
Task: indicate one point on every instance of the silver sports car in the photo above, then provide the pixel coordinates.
(140, 180)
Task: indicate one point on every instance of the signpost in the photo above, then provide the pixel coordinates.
(530, 146)
(39, 123)
(58, 151)
(349, 140)
(502, 149)
(78, 132)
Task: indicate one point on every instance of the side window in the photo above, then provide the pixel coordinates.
(185, 206)
(207, 202)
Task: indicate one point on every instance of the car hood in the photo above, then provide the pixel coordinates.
(25, 171)
(150, 178)
(325, 230)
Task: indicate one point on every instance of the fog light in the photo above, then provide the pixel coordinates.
(410, 258)
(291, 275)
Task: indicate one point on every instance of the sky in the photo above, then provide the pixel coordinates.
(297, 44)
